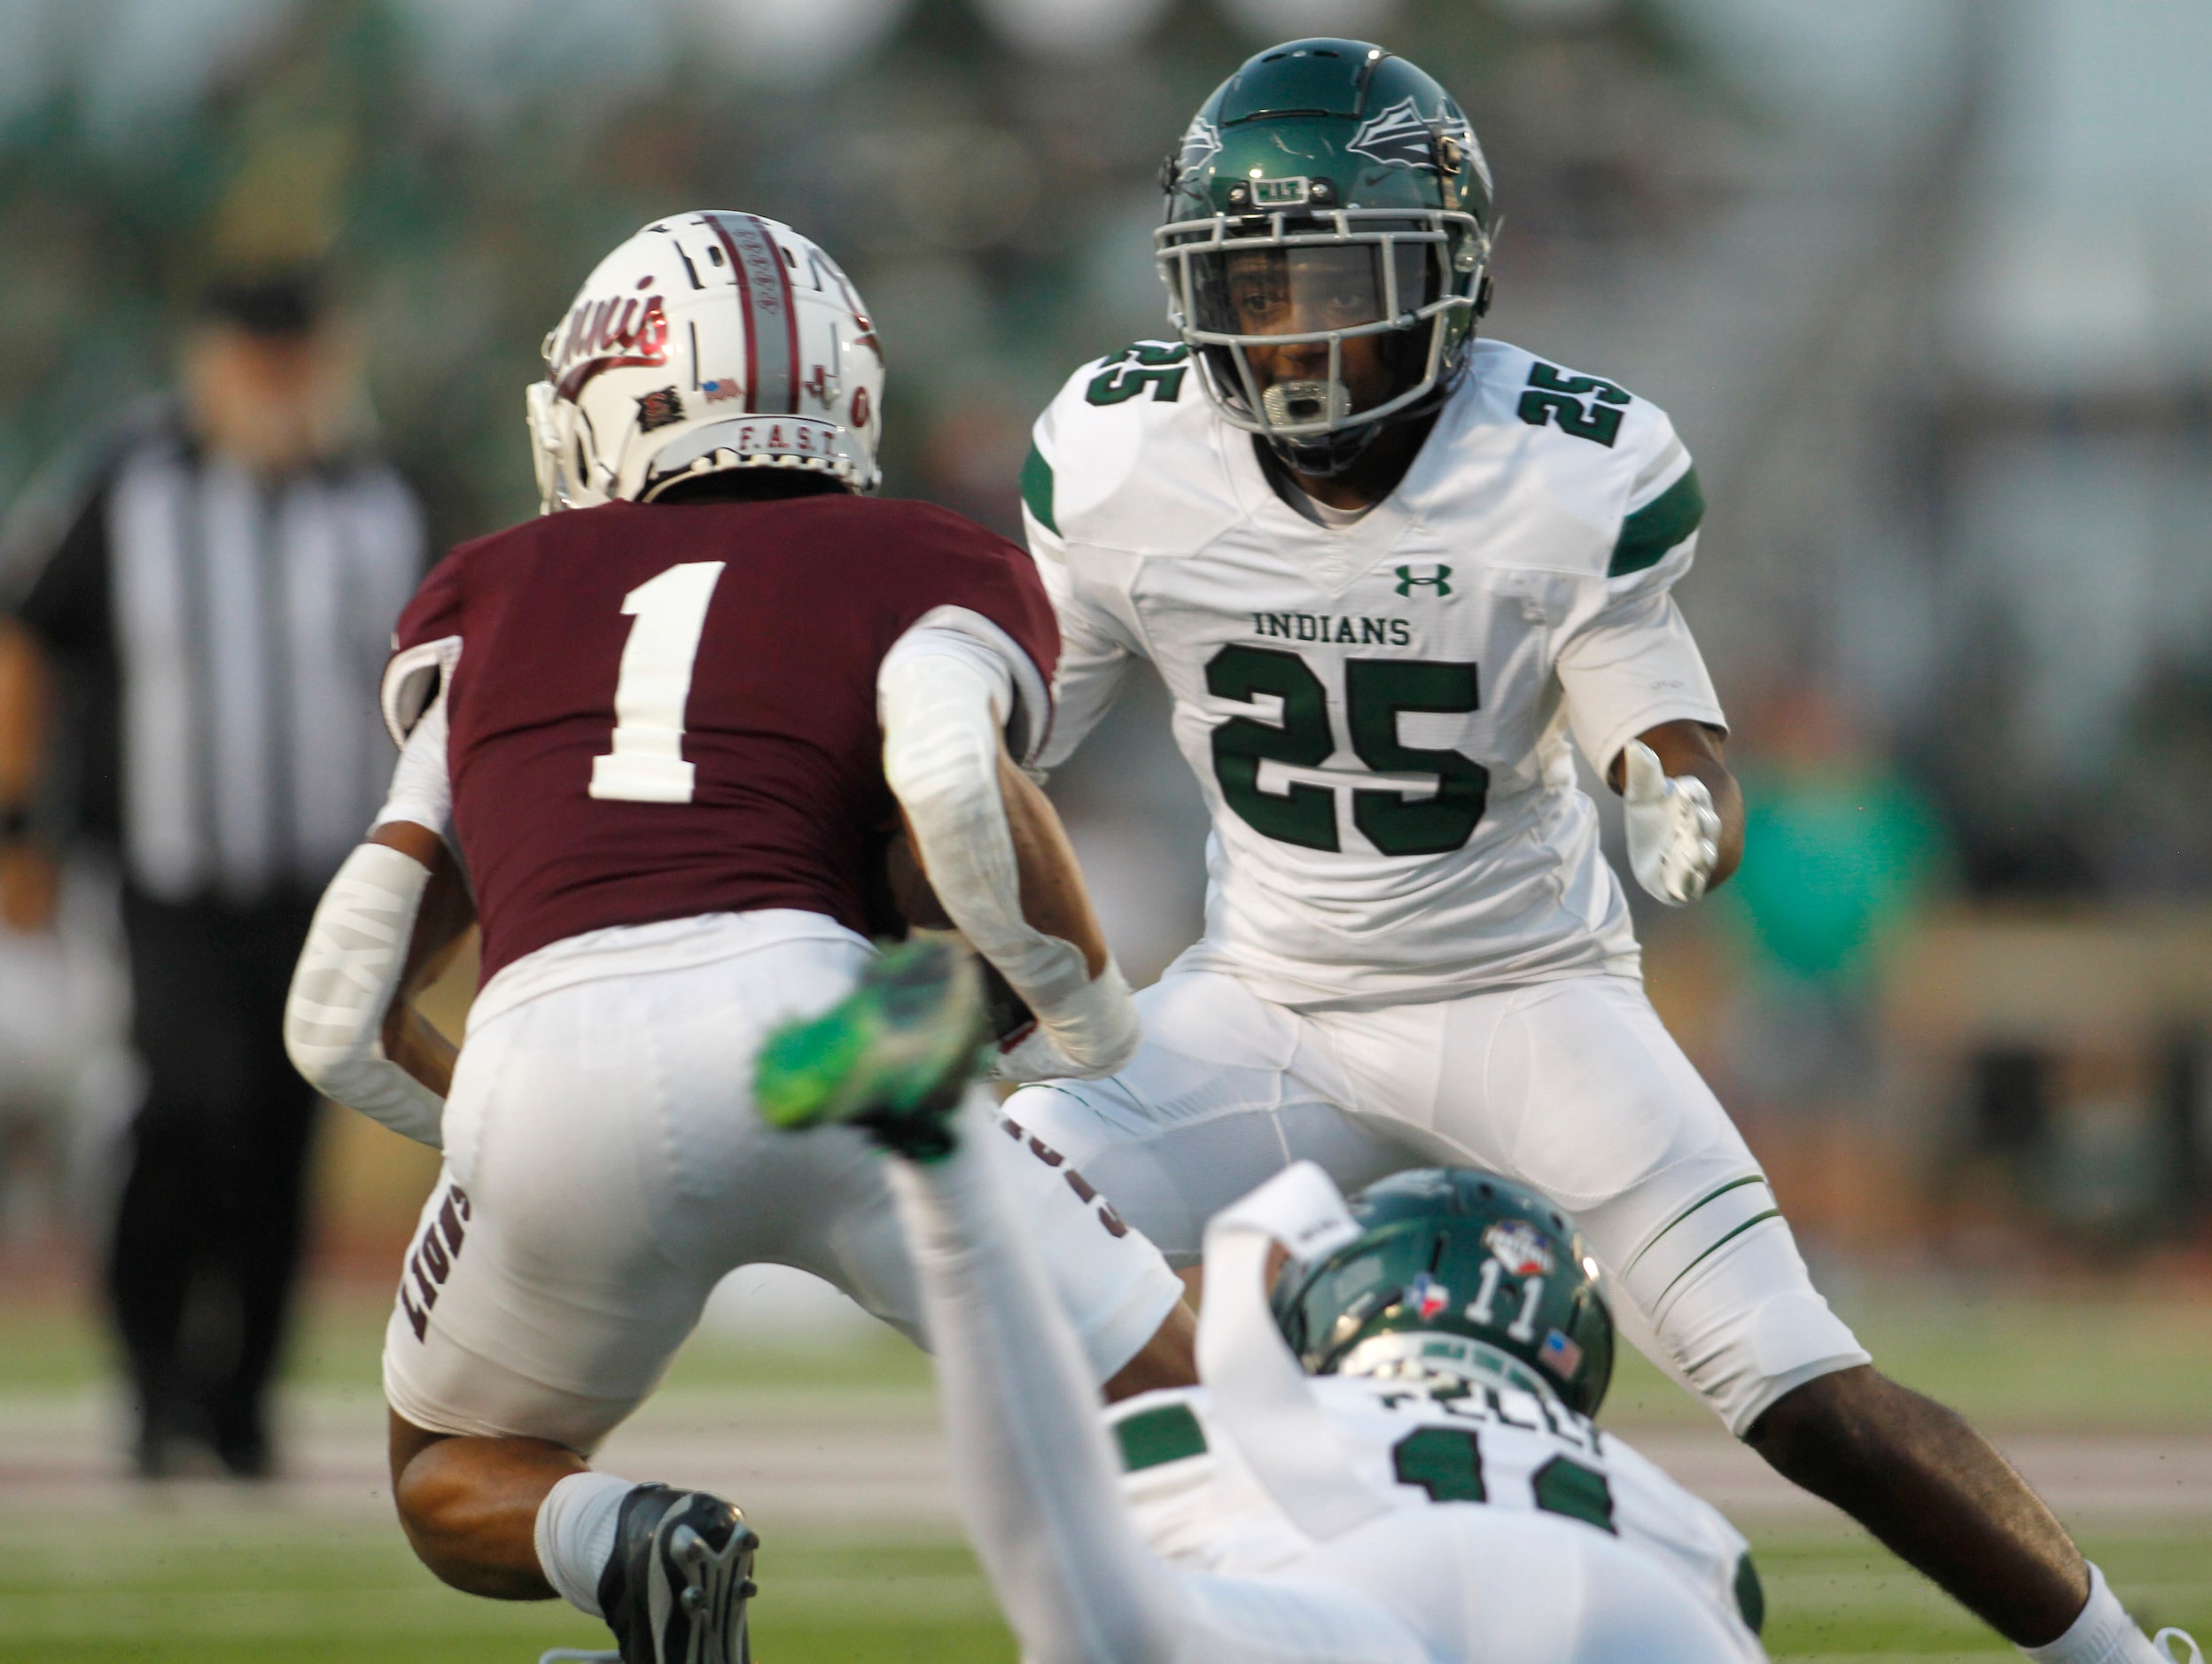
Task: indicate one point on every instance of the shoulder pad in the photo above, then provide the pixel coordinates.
(1128, 455)
(1158, 370)
(414, 678)
(1603, 456)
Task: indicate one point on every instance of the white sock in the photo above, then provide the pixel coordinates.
(575, 1534)
(2104, 1634)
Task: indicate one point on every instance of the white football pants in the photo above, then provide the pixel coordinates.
(1573, 1087)
(1455, 1583)
(605, 1170)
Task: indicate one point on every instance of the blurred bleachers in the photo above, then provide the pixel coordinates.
(1924, 283)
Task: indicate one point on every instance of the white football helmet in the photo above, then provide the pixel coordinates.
(708, 341)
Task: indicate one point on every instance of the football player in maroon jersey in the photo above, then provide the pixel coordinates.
(658, 731)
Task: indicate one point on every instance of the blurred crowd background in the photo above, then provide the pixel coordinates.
(1926, 284)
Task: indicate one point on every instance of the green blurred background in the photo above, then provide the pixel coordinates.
(1927, 286)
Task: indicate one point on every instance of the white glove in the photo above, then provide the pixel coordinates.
(1090, 1031)
(1673, 832)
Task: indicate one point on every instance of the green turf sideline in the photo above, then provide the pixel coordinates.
(252, 1590)
(2086, 1364)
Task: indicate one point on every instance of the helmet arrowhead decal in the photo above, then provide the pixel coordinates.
(1401, 137)
(1202, 142)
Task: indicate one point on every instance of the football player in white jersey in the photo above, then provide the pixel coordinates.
(1390, 572)
(1434, 1493)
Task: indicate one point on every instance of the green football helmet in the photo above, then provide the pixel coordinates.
(1326, 195)
(1459, 1272)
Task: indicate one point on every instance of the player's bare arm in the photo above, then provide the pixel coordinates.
(27, 880)
(1053, 897)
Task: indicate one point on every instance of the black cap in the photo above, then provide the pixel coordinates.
(289, 302)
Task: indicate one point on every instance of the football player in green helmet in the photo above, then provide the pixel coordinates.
(1326, 248)
(1394, 573)
(1428, 1489)
(1456, 1271)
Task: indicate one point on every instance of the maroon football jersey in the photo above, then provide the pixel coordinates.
(664, 710)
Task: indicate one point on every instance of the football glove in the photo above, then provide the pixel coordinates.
(1673, 831)
(1090, 1030)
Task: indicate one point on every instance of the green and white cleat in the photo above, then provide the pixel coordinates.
(893, 1057)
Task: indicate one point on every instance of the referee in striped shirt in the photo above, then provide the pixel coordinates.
(211, 627)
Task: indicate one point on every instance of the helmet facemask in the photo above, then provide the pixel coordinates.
(1348, 183)
(1313, 330)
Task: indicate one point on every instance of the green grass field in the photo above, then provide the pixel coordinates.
(242, 1578)
(242, 1590)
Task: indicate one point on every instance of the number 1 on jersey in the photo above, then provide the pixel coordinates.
(646, 764)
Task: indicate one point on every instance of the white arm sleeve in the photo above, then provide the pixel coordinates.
(942, 719)
(1035, 1478)
(355, 952)
(422, 787)
(1632, 667)
(1019, 698)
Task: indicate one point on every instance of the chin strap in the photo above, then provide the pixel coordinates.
(1332, 453)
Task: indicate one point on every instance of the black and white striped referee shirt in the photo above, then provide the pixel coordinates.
(221, 639)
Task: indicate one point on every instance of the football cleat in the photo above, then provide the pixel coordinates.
(891, 1058)
(2181, 1649)
(674, 1591)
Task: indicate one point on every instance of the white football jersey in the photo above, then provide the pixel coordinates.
(1199, 1505)
(1379, 713)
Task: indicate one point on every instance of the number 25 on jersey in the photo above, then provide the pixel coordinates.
(646, 762)
(1396, 817)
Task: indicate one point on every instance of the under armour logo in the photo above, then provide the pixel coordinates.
(1434, 581)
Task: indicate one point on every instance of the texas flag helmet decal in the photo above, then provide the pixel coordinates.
(1428, 1296)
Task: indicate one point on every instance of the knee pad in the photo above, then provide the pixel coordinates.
(1728, 1293)
(1655, 1276)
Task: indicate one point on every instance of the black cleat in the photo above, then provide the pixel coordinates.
(676, 1591)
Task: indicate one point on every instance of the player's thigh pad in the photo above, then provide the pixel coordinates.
(1225, 1090)
(1576, 1088)
(604, 1169)
(535, 1299)
(1110, 1281)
